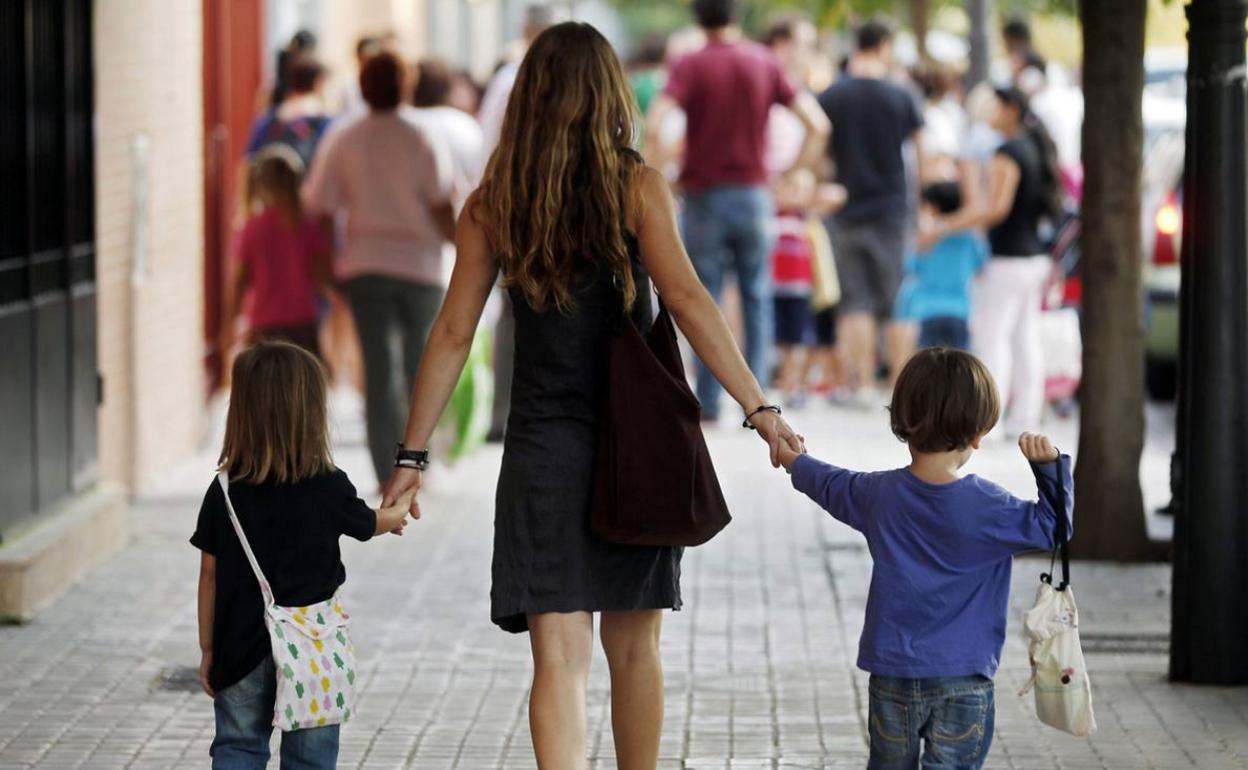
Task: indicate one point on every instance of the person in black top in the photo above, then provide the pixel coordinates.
(293, 505)
(1023, 190)
(872, 118)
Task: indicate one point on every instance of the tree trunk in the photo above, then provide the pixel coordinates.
(1110, 519)
(918, 23)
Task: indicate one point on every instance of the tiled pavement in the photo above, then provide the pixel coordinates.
(759, 664)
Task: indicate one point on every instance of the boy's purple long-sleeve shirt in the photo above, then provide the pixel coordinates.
(942, 554)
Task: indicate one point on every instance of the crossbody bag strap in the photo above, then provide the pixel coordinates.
(224, 480)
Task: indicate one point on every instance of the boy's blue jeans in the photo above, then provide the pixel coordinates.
(933, 723)
(244, 712)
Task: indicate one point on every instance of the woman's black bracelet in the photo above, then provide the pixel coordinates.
(760, 410)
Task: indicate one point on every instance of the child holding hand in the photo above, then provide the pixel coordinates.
(942, 546)
(293, 505)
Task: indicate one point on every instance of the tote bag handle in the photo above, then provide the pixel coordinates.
(223, 479)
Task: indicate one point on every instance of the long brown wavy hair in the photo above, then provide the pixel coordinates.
(557, 191)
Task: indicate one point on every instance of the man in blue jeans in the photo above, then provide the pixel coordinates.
(727, 90)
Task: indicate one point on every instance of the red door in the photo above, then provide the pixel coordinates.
(233, 31)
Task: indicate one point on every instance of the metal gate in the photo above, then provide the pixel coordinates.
(49, 385)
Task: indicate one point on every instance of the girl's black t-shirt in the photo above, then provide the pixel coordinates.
(293, 530)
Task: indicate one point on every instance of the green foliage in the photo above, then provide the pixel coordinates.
(645, 17)
(1043, 7)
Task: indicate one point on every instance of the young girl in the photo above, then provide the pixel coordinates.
(293, 505)
(281, 255)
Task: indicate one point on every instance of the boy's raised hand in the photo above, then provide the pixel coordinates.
(1037, 448)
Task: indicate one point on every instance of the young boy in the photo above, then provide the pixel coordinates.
(942, 546)
(940, 278)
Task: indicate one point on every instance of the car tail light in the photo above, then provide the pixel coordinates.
(1168, 222)
(1169, 218)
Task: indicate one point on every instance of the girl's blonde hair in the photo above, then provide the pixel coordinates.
(273, 178)
(276, 429)
(557, 191)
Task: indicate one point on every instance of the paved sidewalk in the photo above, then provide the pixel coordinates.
(759, 665)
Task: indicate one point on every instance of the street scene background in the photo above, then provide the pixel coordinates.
(125, 305)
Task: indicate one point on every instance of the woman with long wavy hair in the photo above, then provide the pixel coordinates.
(577, 225)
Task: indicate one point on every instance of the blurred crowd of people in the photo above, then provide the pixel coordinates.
(857, 208)
(863, 208)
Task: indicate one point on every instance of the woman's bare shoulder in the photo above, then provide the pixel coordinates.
(651, 191)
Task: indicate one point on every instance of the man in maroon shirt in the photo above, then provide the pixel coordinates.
(727, 90)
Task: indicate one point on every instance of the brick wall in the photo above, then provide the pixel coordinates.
(148, 64)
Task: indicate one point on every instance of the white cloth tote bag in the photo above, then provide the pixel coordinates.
(1059, 676)
(312, 652)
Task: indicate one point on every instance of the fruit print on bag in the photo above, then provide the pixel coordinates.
(321, 679)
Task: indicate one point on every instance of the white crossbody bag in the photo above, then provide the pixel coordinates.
(312, 651)
(1059, 676)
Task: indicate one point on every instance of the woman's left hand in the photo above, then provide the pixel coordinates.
(403, 481)
(773, 429)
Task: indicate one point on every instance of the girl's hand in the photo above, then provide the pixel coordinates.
(205, 665)
(1037, 448)
(393, 518)
(776, 432)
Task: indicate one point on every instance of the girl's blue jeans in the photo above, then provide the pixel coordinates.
(244, 713)
(945, 722)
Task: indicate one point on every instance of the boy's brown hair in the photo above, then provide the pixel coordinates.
(943, 400)
(276, 429)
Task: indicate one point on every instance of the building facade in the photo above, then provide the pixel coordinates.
(122, 127)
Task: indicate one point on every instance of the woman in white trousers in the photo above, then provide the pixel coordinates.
(1023, 188)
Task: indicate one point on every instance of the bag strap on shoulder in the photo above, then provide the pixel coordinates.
(223, 479)
(1055, 494)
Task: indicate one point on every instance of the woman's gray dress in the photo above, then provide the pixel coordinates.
(546, 559)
